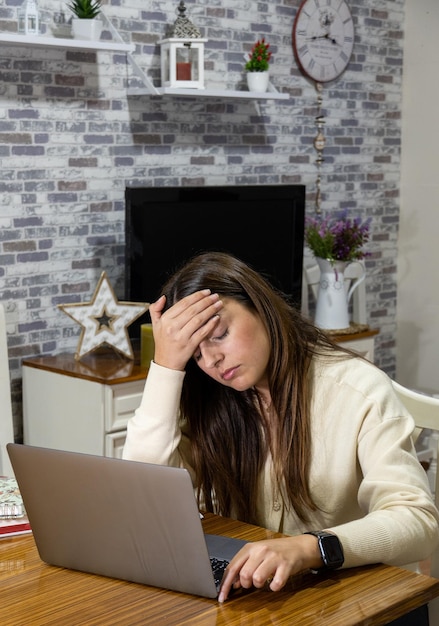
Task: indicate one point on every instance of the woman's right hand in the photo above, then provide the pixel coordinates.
(179, 331)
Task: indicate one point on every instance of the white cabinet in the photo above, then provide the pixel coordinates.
(361, 342)
(80, 406)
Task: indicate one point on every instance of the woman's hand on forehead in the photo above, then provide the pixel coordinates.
(179, 331)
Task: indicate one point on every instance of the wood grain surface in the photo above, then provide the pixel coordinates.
(32, 592)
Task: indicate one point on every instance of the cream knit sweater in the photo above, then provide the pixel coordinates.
(365, 478)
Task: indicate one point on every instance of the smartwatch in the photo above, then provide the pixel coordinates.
(330, 548)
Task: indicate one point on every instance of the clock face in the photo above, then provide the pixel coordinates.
(323, 38)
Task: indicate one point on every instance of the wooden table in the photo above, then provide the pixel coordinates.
(33, 593)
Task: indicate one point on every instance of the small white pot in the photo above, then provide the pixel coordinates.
(257, 81)
(86, 29)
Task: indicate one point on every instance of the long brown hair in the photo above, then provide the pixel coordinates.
(229, 437)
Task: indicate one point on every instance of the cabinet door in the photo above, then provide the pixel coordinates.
(62, 412)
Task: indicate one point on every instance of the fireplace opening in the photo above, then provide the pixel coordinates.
(165, 226)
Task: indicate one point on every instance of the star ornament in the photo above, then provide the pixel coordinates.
(104, 320)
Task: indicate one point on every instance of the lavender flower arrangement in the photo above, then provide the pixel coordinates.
(337, 239)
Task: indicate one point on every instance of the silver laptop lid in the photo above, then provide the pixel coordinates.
(123, 519)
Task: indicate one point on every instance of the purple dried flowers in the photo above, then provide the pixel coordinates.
(337, 239)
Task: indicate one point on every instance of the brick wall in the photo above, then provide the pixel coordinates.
(71, 140)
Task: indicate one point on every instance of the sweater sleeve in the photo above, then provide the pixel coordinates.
(154, 433)
(400, 525)
(389, 515)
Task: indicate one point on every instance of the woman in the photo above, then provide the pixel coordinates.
(279, 427)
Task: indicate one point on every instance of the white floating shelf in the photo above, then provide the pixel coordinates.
(119, 46)
(207, 93)
(58, 42)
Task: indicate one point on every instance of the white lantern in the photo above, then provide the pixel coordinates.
(182, 63)
(182, 54)
(28, 22)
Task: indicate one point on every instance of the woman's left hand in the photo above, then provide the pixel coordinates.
(271, 563)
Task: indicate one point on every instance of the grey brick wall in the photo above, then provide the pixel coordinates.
(71, 140)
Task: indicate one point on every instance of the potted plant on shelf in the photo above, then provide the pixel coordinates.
(86, 23)
(257, 66)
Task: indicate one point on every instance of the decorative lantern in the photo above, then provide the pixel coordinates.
(182, 54)
(28, 22)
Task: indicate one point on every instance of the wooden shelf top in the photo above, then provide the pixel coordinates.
(108, 367)
(103, 366)
(353, 334)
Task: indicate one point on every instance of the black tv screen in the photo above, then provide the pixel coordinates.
(165, 226)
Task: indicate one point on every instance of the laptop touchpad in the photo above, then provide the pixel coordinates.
(223, 547)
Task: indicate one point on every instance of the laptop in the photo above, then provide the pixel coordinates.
(123, 519)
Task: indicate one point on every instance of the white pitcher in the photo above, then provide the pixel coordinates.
(332, 311)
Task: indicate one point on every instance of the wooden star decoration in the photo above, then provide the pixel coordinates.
(104, 320)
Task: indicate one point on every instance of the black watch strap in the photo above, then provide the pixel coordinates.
(330, 548)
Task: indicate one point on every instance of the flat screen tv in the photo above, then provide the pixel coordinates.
(165, 226)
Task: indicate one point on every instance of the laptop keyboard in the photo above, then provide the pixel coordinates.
(218, 567)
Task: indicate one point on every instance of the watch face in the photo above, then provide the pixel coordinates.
(332, 553)
(323, 38)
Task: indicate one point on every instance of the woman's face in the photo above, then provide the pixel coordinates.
(236, 353)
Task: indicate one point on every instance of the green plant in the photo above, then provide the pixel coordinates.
(85, 9)
(259, 57)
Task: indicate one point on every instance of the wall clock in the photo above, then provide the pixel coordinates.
(323, 38)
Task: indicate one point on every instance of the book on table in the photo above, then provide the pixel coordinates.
(13, 518)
